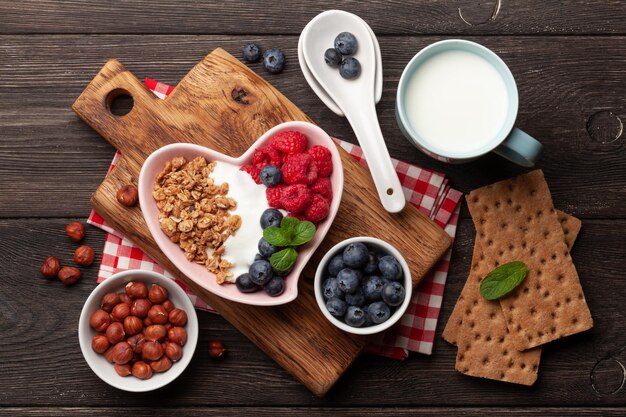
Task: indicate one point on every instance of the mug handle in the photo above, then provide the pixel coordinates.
(520, 148)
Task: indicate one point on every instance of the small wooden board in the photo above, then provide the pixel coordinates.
(224, 105)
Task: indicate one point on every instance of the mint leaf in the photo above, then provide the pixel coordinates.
(276, 236)
(288, 226)
(283, 260)
(503, 280)
(304, 232)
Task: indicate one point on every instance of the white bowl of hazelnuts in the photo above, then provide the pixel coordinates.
(138, 330)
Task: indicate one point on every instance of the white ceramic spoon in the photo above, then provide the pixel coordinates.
(320, 92)
(354, 97)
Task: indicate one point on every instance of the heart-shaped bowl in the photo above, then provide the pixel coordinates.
(155, 163)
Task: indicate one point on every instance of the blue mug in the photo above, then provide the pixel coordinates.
(509, 142)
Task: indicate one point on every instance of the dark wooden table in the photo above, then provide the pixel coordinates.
(569, 59)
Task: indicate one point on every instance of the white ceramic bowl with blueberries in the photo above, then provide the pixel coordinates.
(363, 285)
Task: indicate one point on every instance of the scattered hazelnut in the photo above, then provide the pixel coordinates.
(152, 351)
(140, 307)
(157, 294)
(122, 353)
(161, 365)
(178, 317)
(136, 290)
(157, 314)
(216, 349)
(100, 343)
(124, 298)
(132, 325)
(136, 342)
(84, 255)
(122, 370)
(168, 305)
(173, 351)
(177, 335)
(141, 370)
(120, 312)
(128, 195)
(69, 275)
(75, 231)
(100, 320)
(115, 333)
(156, 332)
(109, 301)
(50, 267)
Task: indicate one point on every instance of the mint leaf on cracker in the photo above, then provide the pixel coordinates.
(503, 280)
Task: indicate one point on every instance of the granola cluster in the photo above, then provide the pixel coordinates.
(195, 213)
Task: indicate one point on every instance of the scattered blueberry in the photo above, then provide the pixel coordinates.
(275, 286)
(371, 267)
(350, 68)
(346, 43)
(245, 284)
(390, 268)
(378, 312)
(335, 265)
(266, 249)
(348, 280)
(330, 289)
(332, 57)
(355, 255)
(393, 294)
(336, 307)
(271, 176)
(260, 272)
(356, 298)
(251, 52)
(274, 60)
(355, 316)
(271, 217)
(373, 287)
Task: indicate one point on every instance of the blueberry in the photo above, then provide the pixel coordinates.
(350, 68)
(271, 217)
(355, 255)
(275, 286)
(371, 267)
(373, 287)
(348, 280)
(271, 176)
(330, 289)
(258, 257)
(368, 319)
(335, 265)
(336, 307)
(355, 316)
(346, 43)
(261, 272)
(245, 284)
(266, 249)
(274, 60)
(390, 268)
(356, 299)
(332, 57)
(378, 312)
(251, 52)
(393, 294)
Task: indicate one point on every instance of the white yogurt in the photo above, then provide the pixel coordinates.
(240, 248)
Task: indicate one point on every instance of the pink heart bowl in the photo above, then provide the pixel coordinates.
(155, 163)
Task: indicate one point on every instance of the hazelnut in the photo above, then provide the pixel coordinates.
(50, 267)
(115, 333)
(156, 332)
(132, 325)
(147, 322)
(136, 342)
(75, 231)
(157, 294)
(99, 320)
(216, 349)
(127, 195)
(124, 298)
(84, 255)
(173, 351)
(161, 365)
(69, 275)
(157, 314)
(168, 305)
(177, 335)
(100, 343)
(122, 353)
(108, 354)
(168, 326)
(122, 370)
(151, 351)
(178, 317)
(120, 312)
(136, 290)
(140, 307)
(109, 301)
(141, 370)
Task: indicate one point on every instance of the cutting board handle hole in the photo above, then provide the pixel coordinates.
(119, 102)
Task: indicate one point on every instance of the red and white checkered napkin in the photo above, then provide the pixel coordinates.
(427, 190)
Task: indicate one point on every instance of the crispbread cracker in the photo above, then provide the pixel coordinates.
(479, 327)
(515, 220)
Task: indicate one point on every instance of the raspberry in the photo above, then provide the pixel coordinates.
(318, 210)
(323, 187)
(298, 216)
(296, 198)
(266, 156)
(273, 195)
(253, 171)
(323, 159)
(290, 142)
(299, 169)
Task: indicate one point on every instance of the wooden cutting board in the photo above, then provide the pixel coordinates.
(224, 105)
